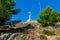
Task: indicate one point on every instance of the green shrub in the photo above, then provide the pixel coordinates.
(47, 32)
(56, 26)
(48, 16)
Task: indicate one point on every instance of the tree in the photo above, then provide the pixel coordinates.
(48, 17)
(7, 10)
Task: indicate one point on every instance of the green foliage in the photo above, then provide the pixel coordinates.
(56, 26)
(47, 32)
(48, 17)
(7, 10)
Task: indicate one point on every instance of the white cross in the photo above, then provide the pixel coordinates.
(30, 15)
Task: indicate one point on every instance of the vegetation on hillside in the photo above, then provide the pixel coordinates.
(7, 10)
(48, 17)
(47, 32)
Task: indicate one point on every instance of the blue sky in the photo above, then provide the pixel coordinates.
(34, 7)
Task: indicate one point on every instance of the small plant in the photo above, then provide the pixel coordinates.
(56, 26)
(47, 32)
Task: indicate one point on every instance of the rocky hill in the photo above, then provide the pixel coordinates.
(31, 31)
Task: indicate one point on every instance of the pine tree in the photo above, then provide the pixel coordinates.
(48, 16)
(7, 10)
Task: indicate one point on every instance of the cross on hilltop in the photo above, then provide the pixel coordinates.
(29, 19)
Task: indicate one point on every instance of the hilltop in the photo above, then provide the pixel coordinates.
(33, 31)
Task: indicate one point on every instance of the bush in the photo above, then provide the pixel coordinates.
(47, 32)
(56, 26)
(48, 16)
